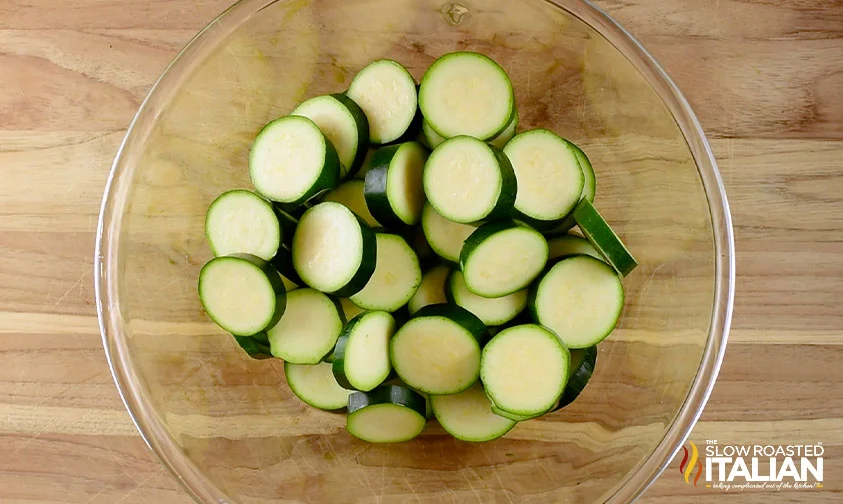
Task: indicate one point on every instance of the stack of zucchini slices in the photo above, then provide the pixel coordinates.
(396, 227)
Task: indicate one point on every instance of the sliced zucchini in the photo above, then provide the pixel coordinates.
(255, 346)
(287, 222)
(514, 417)
(367, 161)
(292, 161)
(468, 415)
(387, 93)
(583, 362)
(393, 189)
(438, 350)
(242, 293)
(240, 221)
(467, 180)
(595, 228)
(388, 414)
(588, 191)
(445, 237)
(432, 138)
(351, 194)
(309, 328)
(397, 276)
(431, 290)
(419, 243)
(524, 369)
(580, 299)
(466, 93)
(492, 311)
(334, 251)
(361, 357)
(550, 180)
(506, 135)
(589, 180)
(344, 124)
(315, 385)
(568, 245)
(502, 257)
(349, 309)
(283, 262)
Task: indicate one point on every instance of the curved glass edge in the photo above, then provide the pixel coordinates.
(645, 473)
(136, 400)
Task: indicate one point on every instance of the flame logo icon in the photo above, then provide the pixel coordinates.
(690, 462)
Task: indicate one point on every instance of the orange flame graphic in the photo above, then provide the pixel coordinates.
(686, 467)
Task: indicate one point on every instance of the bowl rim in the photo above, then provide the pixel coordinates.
(135, 398)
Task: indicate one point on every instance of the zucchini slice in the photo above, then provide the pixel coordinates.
(240, 221)
(589, 180)
(242, 293)
(431, 290)
(502, 257)
(309, 328)
(393, 189)
(315, 385)
(468, 415)
(432, 138)
(283, 262)
(291, 161)
(583, 362)
(387, 93)
(568, 245)
(580, 299)
(361, 357)
(344, 124)
(445, 237)
(467, 180)
(506, 135)
(466, 93)
(595, 228)
(588, 191)
(349, 309)
(388, 414)
(438, 350)
(334, 251)
(396, 277)
(524, 369)
(351, 193)
(550, 180)
(255, 346)
(492, 311)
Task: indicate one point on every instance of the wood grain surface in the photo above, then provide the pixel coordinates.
(764, 76)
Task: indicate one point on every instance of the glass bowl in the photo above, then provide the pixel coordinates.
(229, 428)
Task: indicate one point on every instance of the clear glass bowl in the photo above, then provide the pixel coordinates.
(228, 427)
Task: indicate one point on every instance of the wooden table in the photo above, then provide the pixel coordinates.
(765, 77)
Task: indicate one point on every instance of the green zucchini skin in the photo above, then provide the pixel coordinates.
(275, 282)
(256, 346)
(579, 377)
(376, 187)
(328, 177)
(488, 231)
(459, 315)
(367, 265)
(391, 394)
(339, 353)
(283, 262)
(362, 132)
(595, 228)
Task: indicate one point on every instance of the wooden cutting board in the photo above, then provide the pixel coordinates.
(765, 77)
